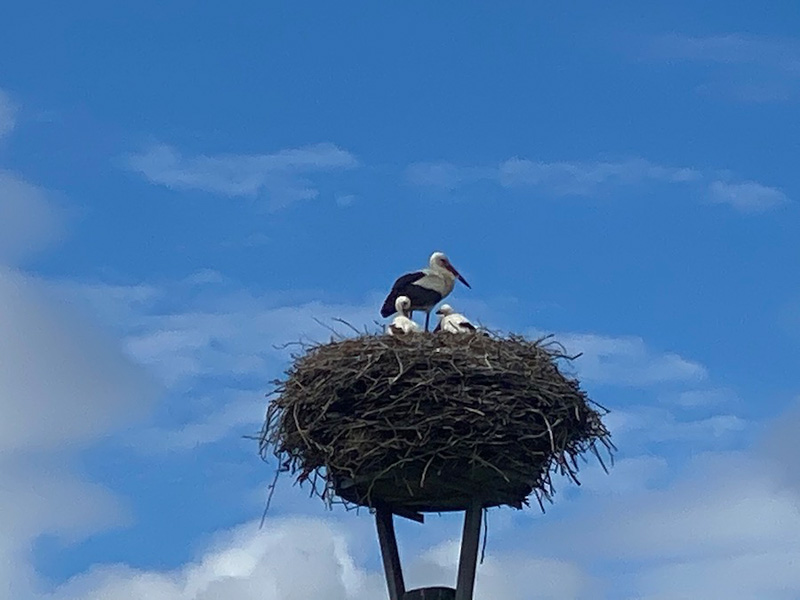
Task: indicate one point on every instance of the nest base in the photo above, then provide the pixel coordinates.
(449, 488)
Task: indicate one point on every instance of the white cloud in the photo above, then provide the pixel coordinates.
(294, 559)
(626, 361)
(587, 178)
(702, 398)
(628, 476)
(559, 178)
(345, 200)
(60, 380)
(681, 541)
(583, 178)
(647, 424)
(41, 496)
(304, 558)
(8, 113)
(708, 515)
(62, 385)
(745, 576)
(781, 445)
(29, 221)
(748, 196)
(284, 176)
(504, 576)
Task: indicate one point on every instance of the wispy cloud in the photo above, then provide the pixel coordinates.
(748, 68)
(747, 196)
(204, 336)
(282, 177)
(588, 178)
(627, 361)
(583, 178)
(648, 424)
(702, 398)
(561, 178)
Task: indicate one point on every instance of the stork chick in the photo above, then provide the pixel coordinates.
(453, 322)
(402, 324)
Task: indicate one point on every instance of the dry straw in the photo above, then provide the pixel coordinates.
(426, 421)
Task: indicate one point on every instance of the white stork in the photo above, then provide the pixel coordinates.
(401, 324)
(425, 288)
(453, 322)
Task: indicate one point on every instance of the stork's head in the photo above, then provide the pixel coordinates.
(402, 304)
(440, 262)
(445, 309)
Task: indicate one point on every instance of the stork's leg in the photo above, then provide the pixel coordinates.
(427, 319)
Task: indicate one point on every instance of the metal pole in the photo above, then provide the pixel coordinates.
(384, 521)
(468, 560)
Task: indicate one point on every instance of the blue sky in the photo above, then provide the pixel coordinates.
(184, 187)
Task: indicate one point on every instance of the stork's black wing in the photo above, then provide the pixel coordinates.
(467, 325)
(397, 290)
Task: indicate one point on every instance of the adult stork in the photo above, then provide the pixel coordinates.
(425, 288)
(453, 322)
(401, 324)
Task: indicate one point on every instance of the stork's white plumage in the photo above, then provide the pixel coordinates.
(402, 324)
(425, 288)
(453, 322)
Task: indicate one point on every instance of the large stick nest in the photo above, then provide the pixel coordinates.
(425, 422)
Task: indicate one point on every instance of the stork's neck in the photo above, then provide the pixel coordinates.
(440, 280)
(440, 271)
